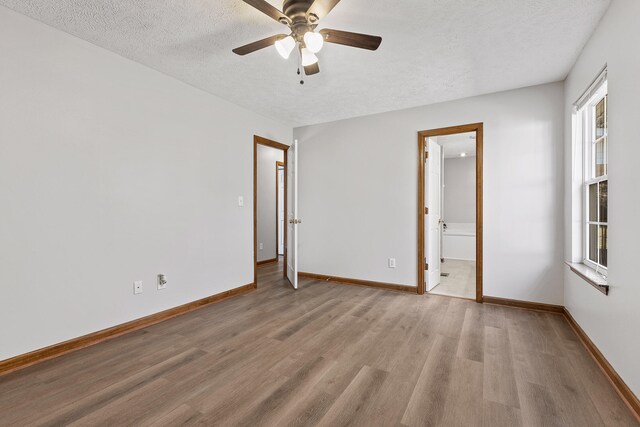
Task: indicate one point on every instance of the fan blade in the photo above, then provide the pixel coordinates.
(321, 8)
(362, 41)
(310, 70)
(269, 10)
(260, 44)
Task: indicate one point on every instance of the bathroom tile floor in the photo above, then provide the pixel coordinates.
(461, 281)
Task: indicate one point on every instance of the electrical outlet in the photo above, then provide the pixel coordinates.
(162, 281)
(392, 263)
(261, 246)
(137, 287)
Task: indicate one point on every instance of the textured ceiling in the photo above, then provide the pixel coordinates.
(432, 50)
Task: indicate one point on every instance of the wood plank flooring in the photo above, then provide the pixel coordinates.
(330, 355)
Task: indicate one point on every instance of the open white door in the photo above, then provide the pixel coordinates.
(281, 213)
(434, 215)
(292, 215)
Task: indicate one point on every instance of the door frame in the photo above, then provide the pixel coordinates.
(278, 166)
(478, 128)
(258, 140)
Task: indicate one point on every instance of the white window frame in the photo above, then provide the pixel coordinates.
(587, 115)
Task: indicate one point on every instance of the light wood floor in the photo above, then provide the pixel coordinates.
(330, 355)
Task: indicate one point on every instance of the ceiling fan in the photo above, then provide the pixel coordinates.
(302, 17)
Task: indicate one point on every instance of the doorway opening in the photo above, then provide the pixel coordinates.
(450, 211)
(269, 204)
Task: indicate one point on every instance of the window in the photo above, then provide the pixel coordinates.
(593, 115)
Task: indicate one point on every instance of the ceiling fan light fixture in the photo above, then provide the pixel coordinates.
(308, 57)
(313, 41)
(285, 46)
(301, 17)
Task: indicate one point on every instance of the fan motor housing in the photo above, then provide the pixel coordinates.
(296, 9)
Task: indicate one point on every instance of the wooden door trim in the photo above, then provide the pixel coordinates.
(278, 165)
(422, 156)
(258, 140)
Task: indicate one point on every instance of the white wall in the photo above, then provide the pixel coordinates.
(612, 322)
(266, 218)
(460, 189)
(358, 192)
(111, 172)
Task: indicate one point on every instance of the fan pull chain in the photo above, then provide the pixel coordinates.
(300, 65)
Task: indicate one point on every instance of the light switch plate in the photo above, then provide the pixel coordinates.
(240, 201)
(392, 263)
(137, 287)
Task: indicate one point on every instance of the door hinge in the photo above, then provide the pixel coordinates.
(426, 211)
(426, 155)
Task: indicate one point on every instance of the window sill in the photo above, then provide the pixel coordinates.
(590, 276)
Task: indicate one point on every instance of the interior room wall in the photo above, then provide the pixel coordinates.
(362, 210)
(612, 322)
(111, 172)
(266, 208)
(460, 189)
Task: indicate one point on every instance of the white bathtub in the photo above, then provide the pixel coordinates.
(459, 241)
